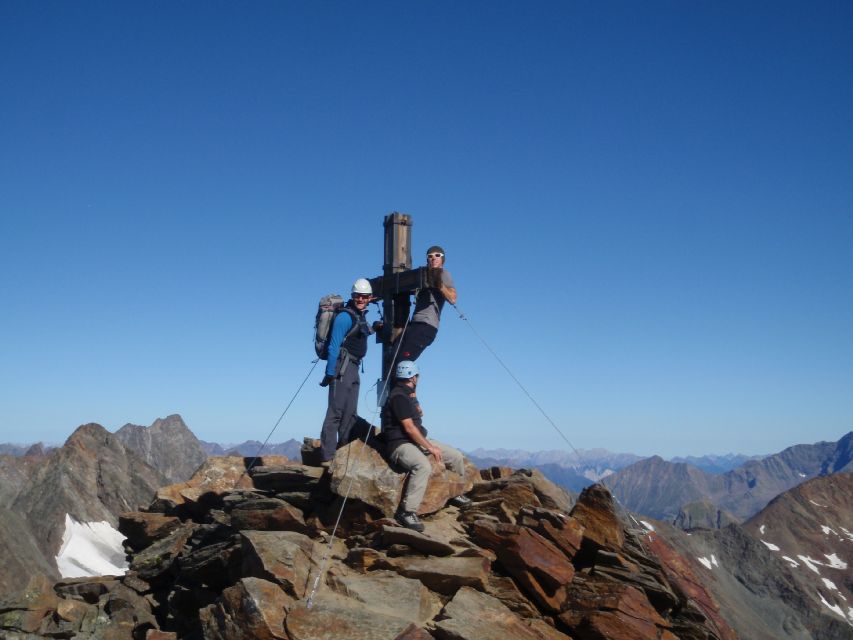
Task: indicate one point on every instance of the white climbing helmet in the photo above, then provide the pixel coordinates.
(362, 286)
(406, 369)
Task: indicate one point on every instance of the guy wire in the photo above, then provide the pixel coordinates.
(275, 426)
(541, 410)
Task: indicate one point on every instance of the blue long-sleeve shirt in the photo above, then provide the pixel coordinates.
(340, 328)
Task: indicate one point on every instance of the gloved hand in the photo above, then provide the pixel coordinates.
(326, 381)
(377, 326)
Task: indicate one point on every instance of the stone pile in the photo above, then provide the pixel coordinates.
(234, 554)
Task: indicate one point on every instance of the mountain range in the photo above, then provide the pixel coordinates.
(663, 489)
(783, 573)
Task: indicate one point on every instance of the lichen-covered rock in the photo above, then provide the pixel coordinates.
(442, 575)
(268, 514)
(142, 528)
(389, 593)
(252, 608)
(472, 615)
(332, 616)
(284, 557)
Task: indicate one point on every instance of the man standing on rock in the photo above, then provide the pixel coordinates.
(347, 347)
(423, 327)
(408, 447)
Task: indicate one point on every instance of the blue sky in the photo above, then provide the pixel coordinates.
(646, 208)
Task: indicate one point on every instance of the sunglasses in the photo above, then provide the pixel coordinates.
(362, 296)
(435, 255)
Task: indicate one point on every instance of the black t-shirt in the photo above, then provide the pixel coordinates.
(401, 405)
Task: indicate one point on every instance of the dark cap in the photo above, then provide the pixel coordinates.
(435, 249)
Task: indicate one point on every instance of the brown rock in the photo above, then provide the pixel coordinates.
(284, 557)
(413, 632)
(496, 473)
(504, 589)
(281, 478)
(154, 562)
(472, 615)
(611, 610)
(31, 608)
(252, 608)
(156, 634)
(537, 564)
(142, 528)
(567, 535)
(596, 512)
(514, 492)
(268, 514)
(419, 541)
(363, 558)
(311, 452)
(363, 473)
(88, 589)
(442, 575)
(388, 593)
(332, 616)
(550, 495)
(217, 476)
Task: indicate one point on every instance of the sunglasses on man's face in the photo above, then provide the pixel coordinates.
(435, 255)
(361, 296)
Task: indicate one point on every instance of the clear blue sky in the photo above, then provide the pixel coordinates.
(646, 208)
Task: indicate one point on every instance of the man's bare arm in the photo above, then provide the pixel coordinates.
(417, 437)
(449, 293)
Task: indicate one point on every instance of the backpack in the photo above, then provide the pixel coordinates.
(328, 309)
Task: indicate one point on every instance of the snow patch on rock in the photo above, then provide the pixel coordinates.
(829, 584)
(810, 563)
(762, 528)
(90, 549)
(793, 562)
(705, 561)
(647, 525)
(827, 530)
(834, 561)
(770, 545)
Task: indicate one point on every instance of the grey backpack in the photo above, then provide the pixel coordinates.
(328, 309)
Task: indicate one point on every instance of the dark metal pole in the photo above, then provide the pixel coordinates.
(395, 307)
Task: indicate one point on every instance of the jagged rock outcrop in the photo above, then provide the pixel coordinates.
(256, 559)
(92, 478)
(167, 445)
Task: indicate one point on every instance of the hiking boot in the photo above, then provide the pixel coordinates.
(460, 501)
(410, 520)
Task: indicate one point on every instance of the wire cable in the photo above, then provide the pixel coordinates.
(275, 426)
(538, 406)
(518, 382)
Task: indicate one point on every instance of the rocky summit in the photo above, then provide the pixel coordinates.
(274, 552)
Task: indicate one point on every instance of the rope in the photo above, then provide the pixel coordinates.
(538, 406)
(275, 426)
(325, 561)
(518, 382)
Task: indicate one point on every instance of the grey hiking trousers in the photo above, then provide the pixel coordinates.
(342, 411)
(410, 457)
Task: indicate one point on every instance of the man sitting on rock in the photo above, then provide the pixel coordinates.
(408, 447)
